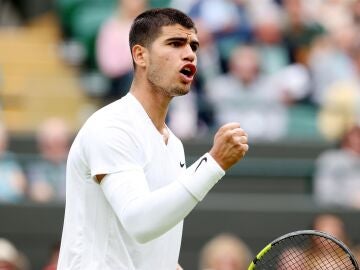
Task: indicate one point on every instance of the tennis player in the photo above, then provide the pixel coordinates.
(128, 188)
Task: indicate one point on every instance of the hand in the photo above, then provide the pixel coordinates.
(178, 267)
(230, 145)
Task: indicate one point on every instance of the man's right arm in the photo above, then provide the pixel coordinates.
(147, 215)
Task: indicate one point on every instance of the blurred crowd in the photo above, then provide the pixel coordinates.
(279, 67)
(223, 251)
(228, 251)
(262, 63)
(39, 178)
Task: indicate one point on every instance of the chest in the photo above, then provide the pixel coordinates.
(164, 162)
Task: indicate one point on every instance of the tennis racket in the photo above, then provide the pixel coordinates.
(305, 250)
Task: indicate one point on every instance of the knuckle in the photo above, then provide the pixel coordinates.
(229, 135)
(246, 147)
(243, 139)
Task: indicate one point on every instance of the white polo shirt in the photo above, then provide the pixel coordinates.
(118, 137)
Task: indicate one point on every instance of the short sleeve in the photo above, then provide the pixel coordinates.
(112, 149)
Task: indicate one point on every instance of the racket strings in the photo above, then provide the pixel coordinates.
(305, 252)
(323, 253)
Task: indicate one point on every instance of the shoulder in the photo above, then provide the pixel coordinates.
(118, 114)
(120, 122)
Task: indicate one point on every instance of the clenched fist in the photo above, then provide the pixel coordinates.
(230, 145)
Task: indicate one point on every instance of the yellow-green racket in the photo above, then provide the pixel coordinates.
(305, 250)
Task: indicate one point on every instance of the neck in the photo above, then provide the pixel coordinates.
(154, 102)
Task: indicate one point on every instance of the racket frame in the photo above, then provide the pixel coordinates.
(266, 249)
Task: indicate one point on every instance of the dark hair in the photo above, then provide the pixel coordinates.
(147, 26)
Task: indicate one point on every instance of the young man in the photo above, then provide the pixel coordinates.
(128, 189)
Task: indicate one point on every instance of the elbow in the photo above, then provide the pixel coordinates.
(140, 234)
(139, 230)
(142, 238)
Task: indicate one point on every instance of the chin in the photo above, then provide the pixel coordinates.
(182, 93)
(179, 91)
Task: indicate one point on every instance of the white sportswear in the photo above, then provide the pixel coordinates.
(133, 219)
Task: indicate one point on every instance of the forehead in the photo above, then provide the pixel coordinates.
(176, 30)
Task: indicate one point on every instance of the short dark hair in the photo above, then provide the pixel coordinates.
(147, 26)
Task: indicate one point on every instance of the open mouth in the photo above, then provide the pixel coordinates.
(188, 70)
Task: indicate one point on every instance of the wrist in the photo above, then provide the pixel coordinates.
(202, 176)
(218, 160)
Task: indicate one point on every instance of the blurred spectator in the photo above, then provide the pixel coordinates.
(228, 21)
(268, 25)
(113, 52)
(47, 175)
(300, 30)
(337, 174)
(12, 178)
(333, 225)
(225, 252)
(295, 88)
(340, 108)
(307, 256)
(297, 261)
(331, 13)
(331, 59)
(11, 258)
(246, 96)
(328, 65)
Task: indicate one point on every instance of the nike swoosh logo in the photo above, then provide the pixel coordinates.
(203, 159)
(182, 164)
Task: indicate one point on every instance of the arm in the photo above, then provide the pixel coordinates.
(147, 215)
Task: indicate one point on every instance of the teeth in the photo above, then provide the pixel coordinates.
(187, 71)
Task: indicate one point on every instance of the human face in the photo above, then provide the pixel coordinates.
(172, 60)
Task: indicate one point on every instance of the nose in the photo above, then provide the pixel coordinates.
(189, 54)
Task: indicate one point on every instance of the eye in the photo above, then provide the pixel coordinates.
(194, 47)
(175, 44)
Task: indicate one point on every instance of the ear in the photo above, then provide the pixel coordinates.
(139, 55)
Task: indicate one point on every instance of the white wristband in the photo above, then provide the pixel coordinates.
(202, 176)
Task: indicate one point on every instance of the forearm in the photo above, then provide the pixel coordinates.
(147, 215)
(151, 216)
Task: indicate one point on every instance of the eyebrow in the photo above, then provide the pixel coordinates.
(183, 39)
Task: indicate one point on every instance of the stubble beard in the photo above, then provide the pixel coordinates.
(155, 79)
